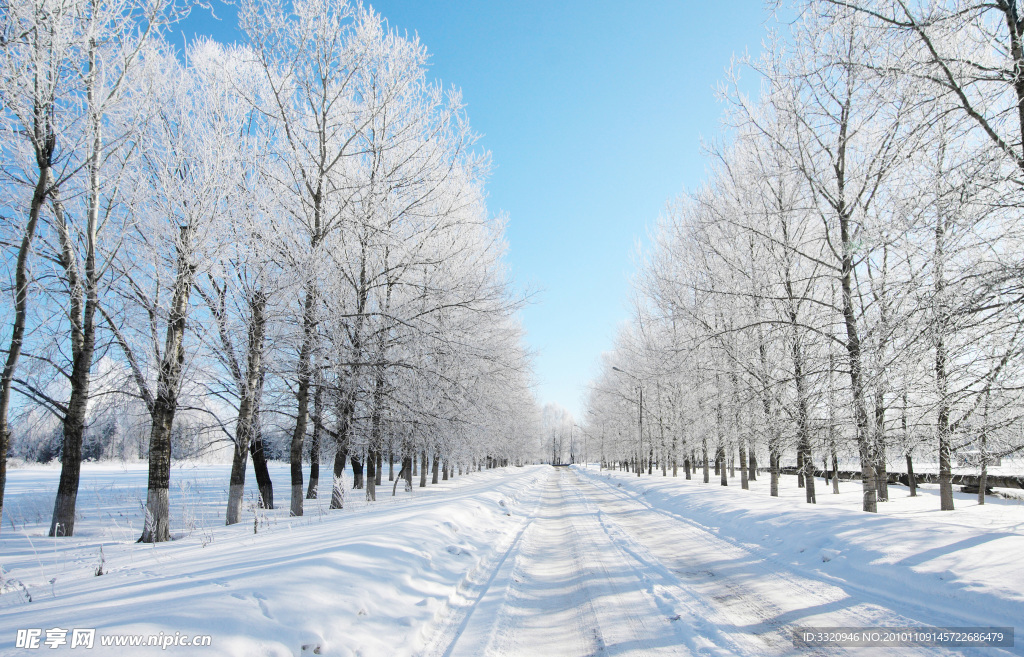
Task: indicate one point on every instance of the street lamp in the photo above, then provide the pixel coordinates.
(586, 438)
(640, 413)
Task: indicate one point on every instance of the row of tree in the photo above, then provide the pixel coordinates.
(847, 283)
(284, 237)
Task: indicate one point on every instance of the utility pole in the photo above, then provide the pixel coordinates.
(640, 388)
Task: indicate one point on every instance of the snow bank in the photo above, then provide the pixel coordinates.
(362, 581)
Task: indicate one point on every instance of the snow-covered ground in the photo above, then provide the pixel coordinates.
(515, 561)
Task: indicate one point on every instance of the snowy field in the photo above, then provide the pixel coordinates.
(515, 561)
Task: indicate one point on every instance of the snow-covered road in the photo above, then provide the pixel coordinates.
(598, 570)
(565, 586)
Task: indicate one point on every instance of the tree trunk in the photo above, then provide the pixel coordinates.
(751, 463)
(371, 476)
(808, 471)
(236, 481)
(303, 376)
(338, 487)
(853, 347)
(357, 473)
(315, 443)
(260, 467)
(911, 479)
(20, 311)
(407, 463)
(433, 468)
(881, 473)
(744, 482)
(800, 465)
(245, 426)
(720, 457)
(773, 465)
(983, 478)
(379, 469)
(835, 472)
(157, 523)
(346, 408)
(941, 376)
(423, 468)
(81, 317)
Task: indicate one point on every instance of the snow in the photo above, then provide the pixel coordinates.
(513, 561)
(357, 581)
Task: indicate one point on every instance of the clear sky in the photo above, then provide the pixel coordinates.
(593, 111)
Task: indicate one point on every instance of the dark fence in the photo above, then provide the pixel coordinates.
(991, 481)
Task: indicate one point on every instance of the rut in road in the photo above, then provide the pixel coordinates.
(566, 589)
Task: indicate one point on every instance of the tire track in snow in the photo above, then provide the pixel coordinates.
(451, 623)
(566, 587)
(546, 602)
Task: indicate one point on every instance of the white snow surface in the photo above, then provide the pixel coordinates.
(513, 561)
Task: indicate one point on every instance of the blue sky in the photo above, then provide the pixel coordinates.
(593, 112)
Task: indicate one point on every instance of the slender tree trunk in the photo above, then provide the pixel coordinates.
(881, 472)
(835, 471)
(911, 479)
(315, 443)
(20, 311)
(773, 465)
(808, 473)
(303, 377)
(433, 468)
(941, 376)
(373, 455)
(720, 456)
(371, 476)
(260, 466)
(346, 408)
(423, 468)
(744, 482)
(158, 516)
(83, 300)
(407, 462)
(245, 425)
(751, 463)
(853, 350)
(380, 467)
(983, 478)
